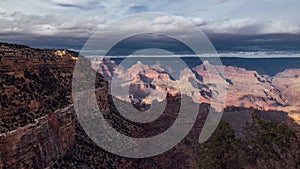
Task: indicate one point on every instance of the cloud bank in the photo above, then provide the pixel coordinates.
(43, 22)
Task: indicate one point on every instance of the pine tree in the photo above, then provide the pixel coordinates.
(271, 144)
(221, 150)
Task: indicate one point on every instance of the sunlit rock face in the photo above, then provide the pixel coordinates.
(288, 82)
(245, 88)
(147, 83)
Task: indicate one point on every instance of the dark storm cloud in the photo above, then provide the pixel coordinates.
(149, 41)
(58, 42)
(224, 43)
(221, 1)
(87, 6)
(139, 8)
(288, 43)
(231, 25)
(71, 6)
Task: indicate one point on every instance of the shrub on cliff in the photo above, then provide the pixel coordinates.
(267, 144)
(222, 150)
(270, 144)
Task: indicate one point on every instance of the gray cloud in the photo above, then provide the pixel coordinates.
(51, 25)
(73, 26)
(88, 5)
(220, 1)
(75, 19)
(139, 8)
(72, 6)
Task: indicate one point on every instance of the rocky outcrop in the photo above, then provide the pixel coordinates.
(86, 153)
(245, 88)
(288, 82)
(105, 67)
(39, 144)
(34, 83)
(37, 123)
(148, 83)
(39, 127)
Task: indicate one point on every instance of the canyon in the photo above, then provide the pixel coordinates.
(39, 126)
(244, 88)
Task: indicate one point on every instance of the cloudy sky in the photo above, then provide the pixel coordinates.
(232, 25)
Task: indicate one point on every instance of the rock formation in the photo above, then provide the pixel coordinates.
(245, 88)
(39, 128)
(37, 117)
(39, 144)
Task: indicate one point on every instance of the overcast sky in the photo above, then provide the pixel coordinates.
(68, 23)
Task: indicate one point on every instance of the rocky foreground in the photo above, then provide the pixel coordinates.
(39, 128)
(37, 119)
(38, 124)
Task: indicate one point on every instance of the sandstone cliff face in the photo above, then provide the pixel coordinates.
(39, 144)
(87, 154)
(34, 83)
(245, 88)
(39, 130)
(37, 123)
(288, 82)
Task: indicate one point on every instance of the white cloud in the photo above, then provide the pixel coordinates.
(56, 24)
(280, 27)
(250, 26)
(234, 26)
(71, 17)
(67, 25)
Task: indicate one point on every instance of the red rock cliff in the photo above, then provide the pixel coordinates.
(38, 144)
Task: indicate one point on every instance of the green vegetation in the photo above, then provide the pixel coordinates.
(220, 151)
(267, 144)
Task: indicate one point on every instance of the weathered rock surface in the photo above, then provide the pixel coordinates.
(85, 153)
(245, 88)
(39, 128)
(288, 82)
(39, 144)
(34, 82)
(37, 120)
